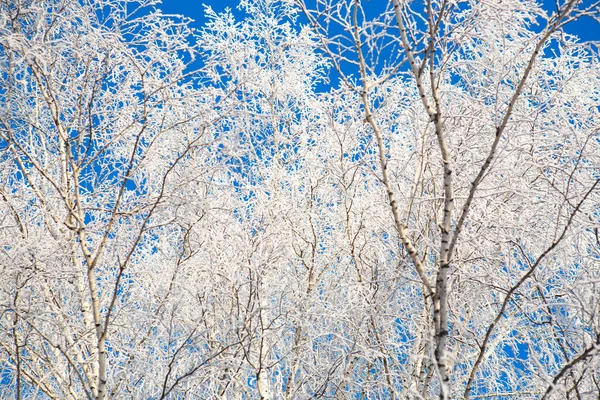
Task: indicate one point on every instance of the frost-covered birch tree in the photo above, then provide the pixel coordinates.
(97, 119)
(490, 173)
(301, 199)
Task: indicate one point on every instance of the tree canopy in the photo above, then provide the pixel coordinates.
(316, 199)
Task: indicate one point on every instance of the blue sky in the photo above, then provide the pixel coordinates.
(586, 28)
(195, 9)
